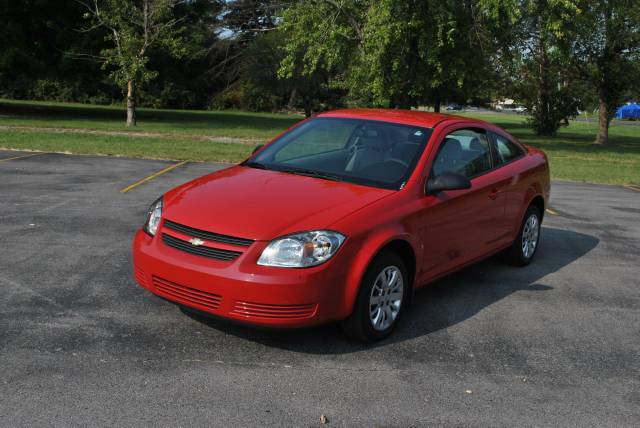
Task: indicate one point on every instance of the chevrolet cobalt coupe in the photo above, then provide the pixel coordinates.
(343, 217)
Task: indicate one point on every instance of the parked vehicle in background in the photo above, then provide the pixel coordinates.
(343, 217)
(454, 107)
(510, 107)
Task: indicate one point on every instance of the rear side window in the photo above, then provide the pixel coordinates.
(465, 151)
(506, 150)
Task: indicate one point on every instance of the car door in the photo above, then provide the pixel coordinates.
(505, 153)
(462, 225)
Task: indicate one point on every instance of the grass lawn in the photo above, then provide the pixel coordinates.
(231, 135)
(174, 122)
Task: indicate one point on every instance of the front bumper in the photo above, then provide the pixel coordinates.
(240, 289)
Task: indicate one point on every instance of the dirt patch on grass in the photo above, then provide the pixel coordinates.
(134, 134)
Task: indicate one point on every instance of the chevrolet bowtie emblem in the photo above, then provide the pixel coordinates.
(196, 242)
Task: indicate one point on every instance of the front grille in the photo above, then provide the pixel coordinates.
(183, 294)
(207, 236)
(213, 253)
(260, 310)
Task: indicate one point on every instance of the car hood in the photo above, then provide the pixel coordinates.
(262, 204)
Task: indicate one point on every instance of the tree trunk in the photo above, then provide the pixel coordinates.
(544, 94)
(603, 116)
(306, 100)
(131, 103)
(292, 100)
(547, 124)
(436, 104)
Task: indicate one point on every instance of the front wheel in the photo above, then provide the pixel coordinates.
(380, 299)
(524, 247)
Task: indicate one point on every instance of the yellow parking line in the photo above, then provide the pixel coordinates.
(21, 157)
(552, 212)
(152, 176)
(632, 187)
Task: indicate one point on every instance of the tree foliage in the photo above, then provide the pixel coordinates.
(552, 55)
(35, 39)
(392, 53)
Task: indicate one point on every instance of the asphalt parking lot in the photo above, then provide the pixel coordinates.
(553, 344)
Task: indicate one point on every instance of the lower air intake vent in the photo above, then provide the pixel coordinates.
(259, 310)
(183, 294)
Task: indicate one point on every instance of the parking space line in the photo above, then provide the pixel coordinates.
(152, 176)
(631, 187)
(21, 157)
(552, 212)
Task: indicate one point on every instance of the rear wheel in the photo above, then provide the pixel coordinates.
(380, 299)
(525, 246)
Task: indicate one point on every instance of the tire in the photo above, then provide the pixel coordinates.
(530, 233)
(369, 325)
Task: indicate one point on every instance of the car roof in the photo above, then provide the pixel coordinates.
(407, 117)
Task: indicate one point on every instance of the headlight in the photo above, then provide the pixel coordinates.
(302, 249)
(153, 217)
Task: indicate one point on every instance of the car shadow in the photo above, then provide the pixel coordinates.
(439, 305)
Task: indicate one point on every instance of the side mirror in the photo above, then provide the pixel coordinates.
(258, 147)
(446, 181)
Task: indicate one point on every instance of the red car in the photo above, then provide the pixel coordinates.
(343, 217)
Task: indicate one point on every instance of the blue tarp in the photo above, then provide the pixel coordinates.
(629, 111)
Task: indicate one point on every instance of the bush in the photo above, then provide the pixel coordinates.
(245, 96)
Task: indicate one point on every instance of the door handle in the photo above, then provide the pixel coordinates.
(494, 193)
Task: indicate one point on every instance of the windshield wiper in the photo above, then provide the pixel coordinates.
(256, 165)
(312, 173)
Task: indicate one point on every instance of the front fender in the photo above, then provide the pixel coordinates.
(367, 248)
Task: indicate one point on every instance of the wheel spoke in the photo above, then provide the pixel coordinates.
(397, 295)
(376, 317)
(393, 278)
(388, 315)
(384, 281)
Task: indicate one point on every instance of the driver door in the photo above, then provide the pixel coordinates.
(462, 225)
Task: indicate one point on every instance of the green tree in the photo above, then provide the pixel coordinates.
(188, 80)
(541, 50)
(259, 69)
(133, 28)
(389, 52)
(606, 50)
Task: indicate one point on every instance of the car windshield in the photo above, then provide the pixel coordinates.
(366, 152)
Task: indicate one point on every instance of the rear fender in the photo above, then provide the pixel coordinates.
(533, 191)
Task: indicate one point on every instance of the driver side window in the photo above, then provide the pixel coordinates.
(465, 151)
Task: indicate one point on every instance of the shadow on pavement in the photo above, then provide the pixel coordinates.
(439, 305)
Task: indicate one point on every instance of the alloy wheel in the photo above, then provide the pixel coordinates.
(530, 235)
(385, 300)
